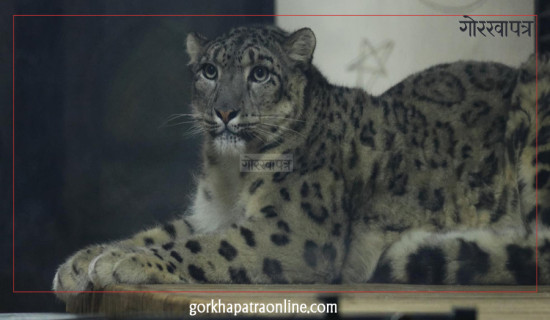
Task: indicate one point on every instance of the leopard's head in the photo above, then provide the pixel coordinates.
(248, 85)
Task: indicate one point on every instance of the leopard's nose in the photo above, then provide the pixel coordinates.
(226, 116)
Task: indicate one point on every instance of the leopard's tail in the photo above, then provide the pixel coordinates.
(475, 257)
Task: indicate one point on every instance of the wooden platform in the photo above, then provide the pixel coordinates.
(494, 302)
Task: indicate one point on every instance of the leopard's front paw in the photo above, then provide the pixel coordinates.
(72, 276)
(132, 266)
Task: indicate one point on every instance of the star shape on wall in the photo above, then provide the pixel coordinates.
(370, 63)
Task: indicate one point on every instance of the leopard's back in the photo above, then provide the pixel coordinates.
(448, 168)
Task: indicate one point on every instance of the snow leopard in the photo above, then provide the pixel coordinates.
(432, 182)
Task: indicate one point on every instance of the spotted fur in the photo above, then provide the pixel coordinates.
(433, 182)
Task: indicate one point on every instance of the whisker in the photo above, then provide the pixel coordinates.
(180, 115)
(193, 131)
(254, 134)
(177, 115)
(285, 128)
(281, 117)
(266, 133)
(169, 121)
(270, 134)
(165, 125)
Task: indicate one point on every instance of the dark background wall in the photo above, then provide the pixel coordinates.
(91, 161)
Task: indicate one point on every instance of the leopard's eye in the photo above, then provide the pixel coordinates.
(209, 71)
(259, 74)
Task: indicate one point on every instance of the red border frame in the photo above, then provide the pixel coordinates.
(273, 15)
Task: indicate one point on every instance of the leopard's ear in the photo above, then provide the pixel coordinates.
(300, 45)
(195, 45)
